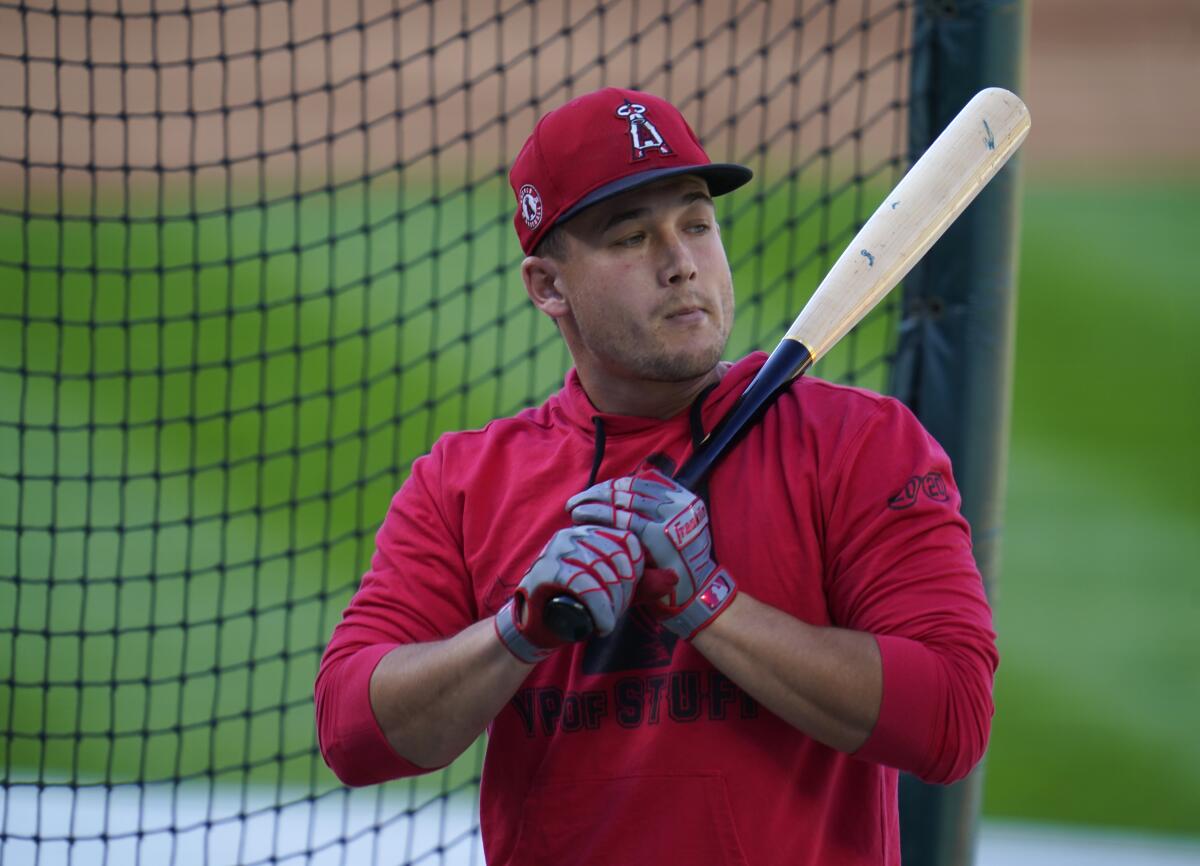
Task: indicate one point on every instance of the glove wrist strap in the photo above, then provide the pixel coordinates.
(513, 639)
(703, 607)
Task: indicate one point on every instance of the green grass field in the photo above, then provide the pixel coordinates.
(1098, 694)
(225, 425)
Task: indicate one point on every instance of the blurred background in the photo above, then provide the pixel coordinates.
(219, 352)
(1098, 693)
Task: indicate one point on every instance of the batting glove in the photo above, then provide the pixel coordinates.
(595, 565)
(672, 524)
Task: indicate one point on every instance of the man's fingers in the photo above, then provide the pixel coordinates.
(614, 494)
(602, 492)
(618, 550)
(604, 515)
(656, 488)
(600, 570)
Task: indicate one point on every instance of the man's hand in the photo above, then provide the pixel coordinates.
(598, 566)
(672, 524)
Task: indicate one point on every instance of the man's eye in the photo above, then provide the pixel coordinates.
(698, 228)
(631, 240)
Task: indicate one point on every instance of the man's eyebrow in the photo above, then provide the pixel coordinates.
(638, 212)
(625, 216)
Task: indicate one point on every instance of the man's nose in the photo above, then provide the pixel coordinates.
(679, 266)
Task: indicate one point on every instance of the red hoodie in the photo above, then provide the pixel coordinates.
(837, 508)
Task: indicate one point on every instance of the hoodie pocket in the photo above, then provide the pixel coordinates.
(633, 820)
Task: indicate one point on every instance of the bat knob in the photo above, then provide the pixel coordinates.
(567, 618)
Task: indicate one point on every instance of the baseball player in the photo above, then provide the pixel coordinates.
(769, 651)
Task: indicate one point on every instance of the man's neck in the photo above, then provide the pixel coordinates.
(647, 399)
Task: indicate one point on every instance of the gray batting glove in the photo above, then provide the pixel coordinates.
(672, 524)
(596, 565)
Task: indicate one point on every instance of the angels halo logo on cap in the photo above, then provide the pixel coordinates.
(531, 205)
(643, 134)
(600, 145)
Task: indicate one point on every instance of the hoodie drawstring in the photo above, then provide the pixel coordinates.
(598, 458)
(695, 417)
(696, 424)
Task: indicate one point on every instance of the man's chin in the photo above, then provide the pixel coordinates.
(681, 368)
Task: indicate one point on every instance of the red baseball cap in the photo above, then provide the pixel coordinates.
(602, 144)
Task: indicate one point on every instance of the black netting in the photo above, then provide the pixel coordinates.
(254, 257)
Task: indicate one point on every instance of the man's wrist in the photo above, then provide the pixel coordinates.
(709, 602)
(514, 639)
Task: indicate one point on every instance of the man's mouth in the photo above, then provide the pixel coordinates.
(686, 314)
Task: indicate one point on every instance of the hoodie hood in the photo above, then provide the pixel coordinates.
(572, 408)
(642, 436)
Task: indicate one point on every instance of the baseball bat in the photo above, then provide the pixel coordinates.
(936, 189)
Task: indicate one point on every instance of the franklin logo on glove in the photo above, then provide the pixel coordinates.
(682, 530)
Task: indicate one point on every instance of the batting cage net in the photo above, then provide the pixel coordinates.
(254, 258)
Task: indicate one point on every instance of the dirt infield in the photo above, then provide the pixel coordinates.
(1114, 85)
(232, 94)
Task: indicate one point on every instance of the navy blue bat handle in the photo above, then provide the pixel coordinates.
(568, 618)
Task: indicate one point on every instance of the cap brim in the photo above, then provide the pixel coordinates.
(722, 177)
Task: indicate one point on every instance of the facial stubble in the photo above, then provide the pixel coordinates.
(631, 348)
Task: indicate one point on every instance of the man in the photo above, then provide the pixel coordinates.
(762, 666)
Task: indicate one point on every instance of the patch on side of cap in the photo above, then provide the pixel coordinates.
(530, 202)
(643, 134)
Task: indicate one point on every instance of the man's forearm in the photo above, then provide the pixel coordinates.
(827, 682)
(433, 699)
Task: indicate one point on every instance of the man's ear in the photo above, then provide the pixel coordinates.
(541, 276)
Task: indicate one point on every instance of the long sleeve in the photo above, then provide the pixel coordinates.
(901, 568)
(416, 590)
